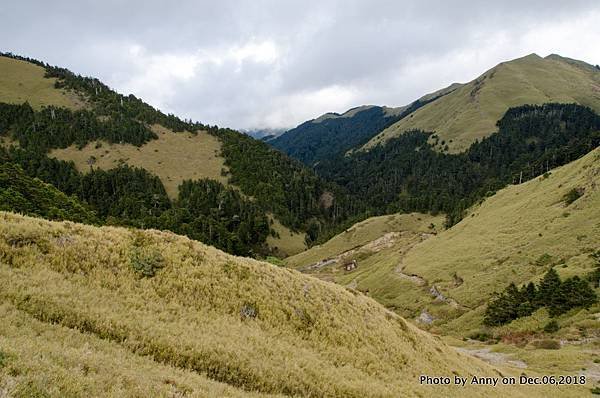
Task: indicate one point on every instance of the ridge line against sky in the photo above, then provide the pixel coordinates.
(274, 64)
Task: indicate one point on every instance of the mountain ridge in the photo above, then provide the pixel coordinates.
(332, 134)
(471, 112)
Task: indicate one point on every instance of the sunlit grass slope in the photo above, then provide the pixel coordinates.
(39, 359)
(21, 81)
(515, 236)
(173, 157)
(471, 111)
(79, 320)
(364, 232)
(286, 243)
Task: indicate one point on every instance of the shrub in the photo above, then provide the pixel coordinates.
(543, 260)
(481, 336)
(275, 261)
(547, 344)
(551, 327)
(145, 259)
(146, 262)
(572, 195)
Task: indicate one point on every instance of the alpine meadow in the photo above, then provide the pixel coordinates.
(366, 226)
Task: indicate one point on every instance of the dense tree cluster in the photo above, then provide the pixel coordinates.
(23, 194)
(128, 194)
(298, 197)
(205, 210)
(407, 174)
(208, 211)
(556, 295)
(54, 127)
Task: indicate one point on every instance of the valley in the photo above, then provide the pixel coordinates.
(142, 254)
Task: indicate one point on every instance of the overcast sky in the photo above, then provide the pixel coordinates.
(256, 64)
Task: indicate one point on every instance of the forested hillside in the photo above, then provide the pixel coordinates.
(318, 139)
(332, 134)
(407, 173)
(23, 194)
(258, 180)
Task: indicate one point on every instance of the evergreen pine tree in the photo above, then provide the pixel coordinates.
(548, 288)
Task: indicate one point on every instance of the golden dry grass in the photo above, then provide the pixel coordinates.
(42, 359)
(472, 110)
(173, 157)
(503, 239)
(288, 243)
(21, 81)
(364, 232)
(71, 301)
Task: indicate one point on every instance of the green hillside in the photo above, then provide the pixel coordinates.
(173, 316)
(66, 143)
(23, 194)
(471, 111)
(445, 281)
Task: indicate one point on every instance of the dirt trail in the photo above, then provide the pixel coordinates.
(422, 282)
(374, 246)
(493, 358)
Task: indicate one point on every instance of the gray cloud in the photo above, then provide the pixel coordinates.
(255, 64)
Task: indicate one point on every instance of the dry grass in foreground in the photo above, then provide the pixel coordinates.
(77, 310)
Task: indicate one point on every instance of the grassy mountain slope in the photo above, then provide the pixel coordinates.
(285, 242)
(198, 314)
(515, 236)
(40, 359)
(364, 233)
(22, 81)
(471, 111)
(173, 157)
(512, 236)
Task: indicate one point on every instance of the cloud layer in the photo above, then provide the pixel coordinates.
(274, 64)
